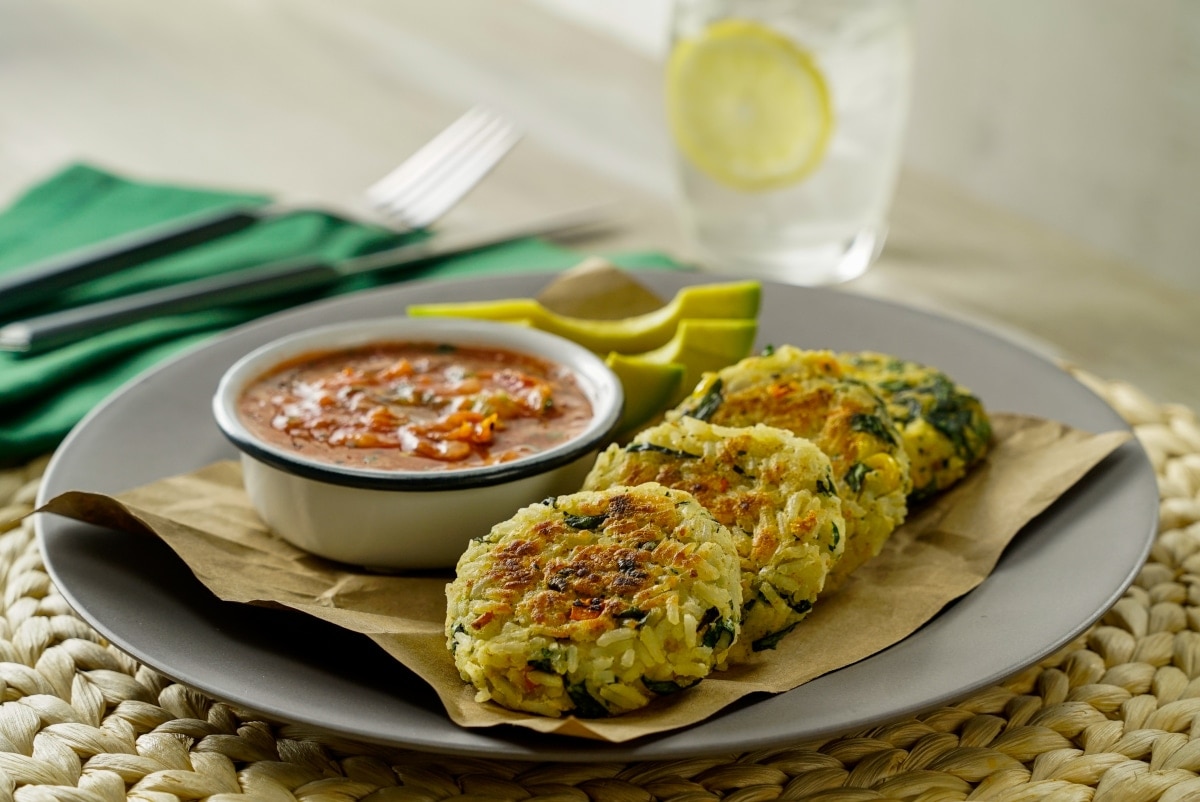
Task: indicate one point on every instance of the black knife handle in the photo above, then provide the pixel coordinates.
(41, 280)
(245, 286)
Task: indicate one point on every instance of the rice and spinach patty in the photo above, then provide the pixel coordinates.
(808, 394)
(944, 427)
(595, 603)
(774, 491)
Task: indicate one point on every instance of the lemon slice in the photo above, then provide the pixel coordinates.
(747, 105)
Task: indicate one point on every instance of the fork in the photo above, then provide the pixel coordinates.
(411, 197)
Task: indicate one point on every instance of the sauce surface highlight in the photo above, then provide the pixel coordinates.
(415, 406)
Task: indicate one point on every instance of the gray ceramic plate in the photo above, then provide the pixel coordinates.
(1059, 575)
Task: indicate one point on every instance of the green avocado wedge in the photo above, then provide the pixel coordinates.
(659, 379)
(632, 335)
(703, 346)
(650, 388)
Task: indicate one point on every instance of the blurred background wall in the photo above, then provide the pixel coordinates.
(1083, 115)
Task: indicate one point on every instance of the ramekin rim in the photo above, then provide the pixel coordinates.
(586, 366)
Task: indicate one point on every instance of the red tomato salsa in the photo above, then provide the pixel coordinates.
(415, 406)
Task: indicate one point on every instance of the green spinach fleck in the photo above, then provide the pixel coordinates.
(632, 614)
(854, 477)
(544, 662)
(585, 521)
(634, 448)
(710, 402)
(803, 606)
(894, 385)
(719, 635)
(873, 425)
(664, 687)
(586, 705)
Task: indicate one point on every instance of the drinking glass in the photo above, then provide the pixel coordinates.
(788, 118)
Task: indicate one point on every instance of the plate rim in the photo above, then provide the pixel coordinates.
(518, 747)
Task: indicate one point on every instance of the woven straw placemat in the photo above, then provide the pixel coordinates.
(1115, 716)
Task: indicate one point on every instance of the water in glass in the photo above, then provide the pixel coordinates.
(828, 225)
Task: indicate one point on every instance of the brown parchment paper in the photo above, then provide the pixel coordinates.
(940, 553)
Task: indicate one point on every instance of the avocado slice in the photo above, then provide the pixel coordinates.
(650, 388)
(661, 378)
(632, 335)
(702, 346)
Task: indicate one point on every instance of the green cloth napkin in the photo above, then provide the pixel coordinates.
(44, 395)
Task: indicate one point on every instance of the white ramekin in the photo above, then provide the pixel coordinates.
(409, 520)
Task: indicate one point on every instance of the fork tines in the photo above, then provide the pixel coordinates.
(435, 177)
